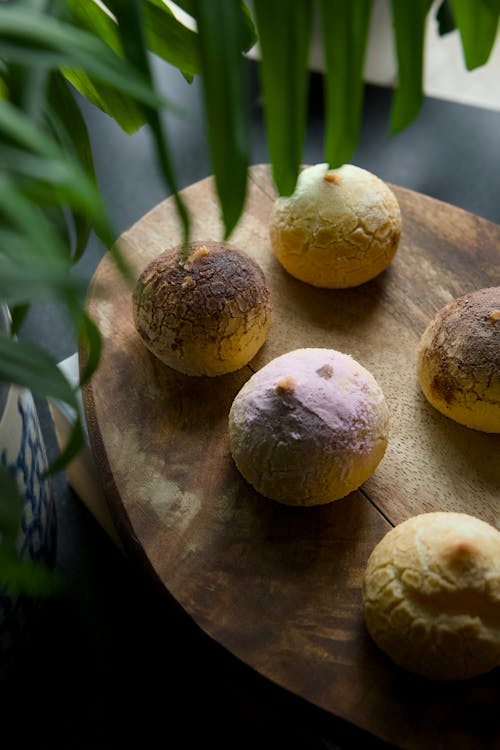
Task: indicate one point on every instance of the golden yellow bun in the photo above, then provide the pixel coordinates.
(309, 427)
(431, 595)
(340, 228)
(459, 360)
(207, 315)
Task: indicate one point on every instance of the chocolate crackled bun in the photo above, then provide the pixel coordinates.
(431, 595)
(207, 314)
(309, 427)
(340, 227)
(459, 360)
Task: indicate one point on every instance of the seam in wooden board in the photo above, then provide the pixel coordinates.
(270, 195)
(372, 502)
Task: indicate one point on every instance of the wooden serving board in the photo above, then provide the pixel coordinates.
(280, 587)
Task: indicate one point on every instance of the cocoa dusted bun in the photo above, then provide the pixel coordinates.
(309, 427)
(340, 227)
(431, 595)
(207, 314)
(459, 360)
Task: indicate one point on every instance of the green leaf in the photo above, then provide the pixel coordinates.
(95, 18)
(68, 124)
(30, 37)
(19, 576)
(33, 235)
(130, 23)
(477, 22)
(170, 39)
(71, 449)
(284, 28)
(409, 29)
(30, 367)
(15, 244)
(70, 129)
(28, 237)
(226, 91)
(37, 279)
(11, 509)
(82, 229)
(249, 37)
(444, 18)
(4, 91)
(91, 343)
(188, 6)
(57, 215)
(345, 33)
(18, 314)
(60, 179)
(122, 108)
(17, 127)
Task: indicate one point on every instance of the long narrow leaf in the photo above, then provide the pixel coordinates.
(18, 314)
(82, 229)
(249, 38)
(284, 28)
(68, 123)
(170, 39)
(91, 342)
(37, 279)
(444, 18)
(29, 36)
(70, 129)
(93, 18)
(29, 366)
(75, 443)
(124, 109)
(32, 233)
(44, 161)
(477, 22)
(130, 23)
(165, 36)
(16, 244)
(345, 33)
(16, 127)
(226, 92)
(409, 30)
(26, 577)
(58, 216)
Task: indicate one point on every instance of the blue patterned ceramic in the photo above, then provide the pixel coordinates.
(22, 450)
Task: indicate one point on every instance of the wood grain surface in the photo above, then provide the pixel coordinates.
(280, 587)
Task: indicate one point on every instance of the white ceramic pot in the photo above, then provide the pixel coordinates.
(22, 450)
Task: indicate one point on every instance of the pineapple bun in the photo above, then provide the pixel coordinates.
(207, 314)
(340, 228)
(459, 360)
(431, 595)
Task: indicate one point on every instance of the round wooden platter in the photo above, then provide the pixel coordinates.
(280, 587)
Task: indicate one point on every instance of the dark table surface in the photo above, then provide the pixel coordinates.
(111, 662)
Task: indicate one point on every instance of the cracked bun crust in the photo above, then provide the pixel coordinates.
(207, 315)
(309, 427)
(431, 595)
(459, 360)
(340, 228)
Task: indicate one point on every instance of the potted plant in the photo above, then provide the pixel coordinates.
(49, 200)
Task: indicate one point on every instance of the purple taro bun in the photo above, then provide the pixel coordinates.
(309, 427)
